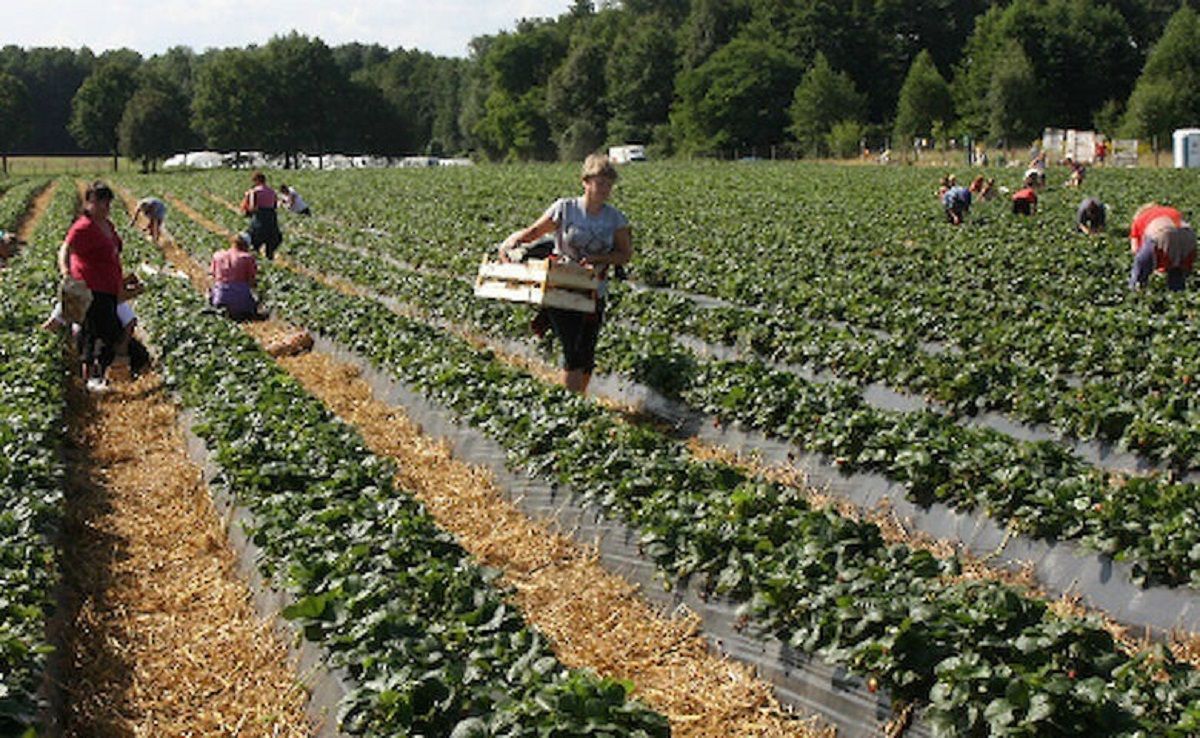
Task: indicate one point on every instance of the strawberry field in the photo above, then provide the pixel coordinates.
(1000, 371)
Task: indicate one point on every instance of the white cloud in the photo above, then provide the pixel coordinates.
(150, 27)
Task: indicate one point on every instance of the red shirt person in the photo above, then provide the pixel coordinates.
(1161, 241)
(91, 253)
(1024, 201)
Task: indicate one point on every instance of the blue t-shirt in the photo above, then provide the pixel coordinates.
(957, 198)
(580, 235)
(153, 207)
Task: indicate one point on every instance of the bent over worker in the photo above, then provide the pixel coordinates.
(1161, 241)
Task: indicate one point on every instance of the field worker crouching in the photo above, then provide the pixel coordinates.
(1025, 200)
(1091, 216)
(956, 201)
(1161, 241)
(259, 205)
(589, 232)
(155, 212)
(292, 200)
(235, 272)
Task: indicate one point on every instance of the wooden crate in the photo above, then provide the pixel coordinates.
(539, 282)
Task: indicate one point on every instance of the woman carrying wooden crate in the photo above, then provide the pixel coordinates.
(589, 232)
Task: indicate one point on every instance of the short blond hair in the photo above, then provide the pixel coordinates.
(599, 165)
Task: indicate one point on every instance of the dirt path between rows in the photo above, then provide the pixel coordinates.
(33, 216)
(159, 635)
(593, 618)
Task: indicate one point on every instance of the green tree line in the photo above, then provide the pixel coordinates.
(815, 77)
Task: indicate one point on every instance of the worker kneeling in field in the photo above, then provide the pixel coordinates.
(235, 272)
(1160, 240)
(1024, 201)
(589, 232)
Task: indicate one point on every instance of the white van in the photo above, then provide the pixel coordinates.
(627, 153)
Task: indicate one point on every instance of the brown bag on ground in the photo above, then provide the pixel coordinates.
(75, 297)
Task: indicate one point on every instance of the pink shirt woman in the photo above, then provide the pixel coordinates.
(235, 272)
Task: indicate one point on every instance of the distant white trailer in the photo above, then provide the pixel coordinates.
(627, 153)
(1187, 148)
(1078, 145)
(1081, 146)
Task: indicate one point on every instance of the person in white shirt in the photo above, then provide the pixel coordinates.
(293, 201)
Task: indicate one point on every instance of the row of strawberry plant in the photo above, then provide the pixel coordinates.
(15, 197)
(1134, 357)
(980, 653)
(1041, 486)
(31, 469)
(427, 636)
(1149, 411)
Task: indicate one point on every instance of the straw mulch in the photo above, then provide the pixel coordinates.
(223, 203)
(160, 636)
(594, 618)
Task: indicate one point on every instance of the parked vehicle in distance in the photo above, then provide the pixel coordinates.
(627, 153)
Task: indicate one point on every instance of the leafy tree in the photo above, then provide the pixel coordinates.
(1108, 118)
(1167, 94)
(303, 97)
(670, 12)
(14, 115)
(737, 99)
(509, 121)
(1014, 112)
(641, 80)
(924, 100)
(232, 100)
(575, 96)
(1080, 50)
(353, 57)
(155, 123)
(175, 66)
(98, 105)
(579, 139)
(517, 62)
(51, 77)
(823, 98)
(845, 138)
(513, 128)
(403, 83)
(1146, 19)
(709, 26)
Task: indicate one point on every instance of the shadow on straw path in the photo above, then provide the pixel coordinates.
(160, 638)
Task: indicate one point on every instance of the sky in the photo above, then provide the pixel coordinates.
(443, 27)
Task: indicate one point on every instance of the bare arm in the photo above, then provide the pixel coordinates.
(64, 258)
(540, 227)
